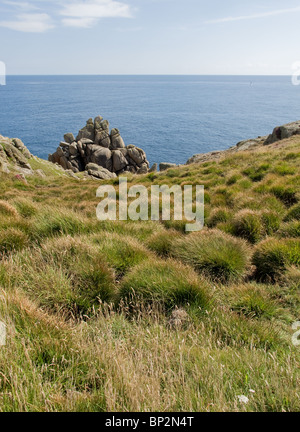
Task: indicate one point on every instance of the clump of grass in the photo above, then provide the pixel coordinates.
(214, 253)
(284, 169)
(179, 225)
(253, 303)
(273, 256)
(256, 174)
(217, 215)
(292, 279)
(290, 229)
(58, 222)
(168, 283)
(25, 207)
(7, 209)
(271, 221)
(67, 275)
(233, 179)
(161, 242)
(120, 251)
(248, 225)
(286, 194)
(293, 213)
(12, 239)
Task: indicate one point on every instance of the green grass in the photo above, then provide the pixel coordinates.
(217, 255)
(165, 283)
(248, 225)
(90, 306)
(273, 256)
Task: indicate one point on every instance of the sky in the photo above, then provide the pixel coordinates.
(193, 37)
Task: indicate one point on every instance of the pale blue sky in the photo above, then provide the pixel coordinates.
(149, 36)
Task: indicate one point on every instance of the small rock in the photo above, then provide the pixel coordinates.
(69, 138)
(153, 169)
(164, 166)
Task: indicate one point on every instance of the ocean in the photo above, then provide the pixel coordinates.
(170, 117)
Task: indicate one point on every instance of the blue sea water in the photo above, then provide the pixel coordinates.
(170, 117)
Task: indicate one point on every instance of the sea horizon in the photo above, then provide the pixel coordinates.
(171, 117)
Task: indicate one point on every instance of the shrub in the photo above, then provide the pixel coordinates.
(161, 242)
(248, 225)
(293, 213)
(213, 253)
(12, 239)
(221, 214)
(168, 283)
(273, 256)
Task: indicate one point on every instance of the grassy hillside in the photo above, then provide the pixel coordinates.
(140, 316)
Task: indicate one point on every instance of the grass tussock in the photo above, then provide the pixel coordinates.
(166, 283)
(217, 255)
(273, 256)
(142, 316)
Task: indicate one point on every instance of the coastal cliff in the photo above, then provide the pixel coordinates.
(100, 154)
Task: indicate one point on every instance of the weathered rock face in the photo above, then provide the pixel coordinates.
(282, 132)
(13, 151)
(94, 147)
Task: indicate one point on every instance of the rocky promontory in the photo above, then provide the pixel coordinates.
(99, 152)
(279, 133)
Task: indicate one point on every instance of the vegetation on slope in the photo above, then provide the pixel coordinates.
(108, 316)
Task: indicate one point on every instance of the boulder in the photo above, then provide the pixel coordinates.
(97, 121)
(101, 156)
(21, 147)
(116, 140)
(102, 138)
(16, 155)
(87, 132)
(283, 132)
(164, 166)
(204, 157)
(97, 145)
(73, 149)
(119, 161)
(101, 173)
(153, 168)
(143, 169)
(136, 154)
(69, 138)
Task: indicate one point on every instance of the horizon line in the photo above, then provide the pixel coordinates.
(120, 74)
